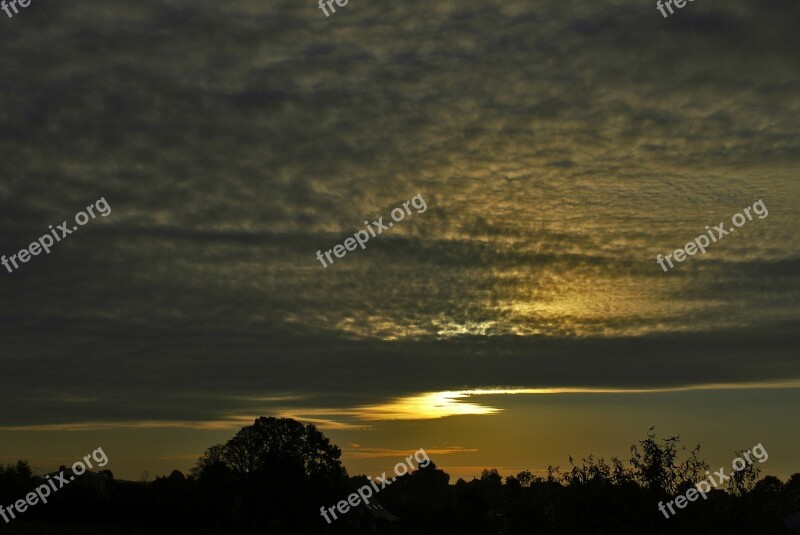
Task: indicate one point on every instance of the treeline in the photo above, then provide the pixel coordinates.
(273, 477)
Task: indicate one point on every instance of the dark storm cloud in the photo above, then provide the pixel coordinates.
(559, 146)
(105, 375)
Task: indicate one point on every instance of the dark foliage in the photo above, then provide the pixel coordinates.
(273, 476)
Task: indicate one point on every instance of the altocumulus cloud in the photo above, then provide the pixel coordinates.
(558, 147)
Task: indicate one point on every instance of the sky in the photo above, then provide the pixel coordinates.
(519, 318)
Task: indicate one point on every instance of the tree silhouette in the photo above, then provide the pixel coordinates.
(283, 440)
(274, 475)
(743, 481)
(271, 473)
(654, 465)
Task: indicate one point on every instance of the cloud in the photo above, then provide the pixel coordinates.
(559, 148)
(383, 453)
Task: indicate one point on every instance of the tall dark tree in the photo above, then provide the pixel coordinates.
(274, 472)
(284, 440)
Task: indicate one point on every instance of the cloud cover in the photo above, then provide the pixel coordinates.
(560, 146)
